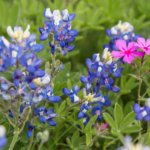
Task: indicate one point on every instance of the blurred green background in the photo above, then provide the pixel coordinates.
(93, 17)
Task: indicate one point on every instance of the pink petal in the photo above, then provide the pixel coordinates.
(117, 54)
(133, 46)
(138, 54)
(128, 58)
(148, 43)
(141, 41)
(121, 44)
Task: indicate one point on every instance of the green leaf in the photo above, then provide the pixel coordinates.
(109, 119)
(131, 129)
(123, 82)
(69, 84)
(7, 126)
(134, 76)
(63, 73)
(68, 141)
(127, 120)
(114, 131)
(75, 138)
(88, 137)
(2, 13)
(13, 15)
(118, 115)
(90, 123)
(62, 107)
(128, 108)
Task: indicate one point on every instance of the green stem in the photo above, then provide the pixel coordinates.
(41, 144)
(91, 142)
(139, 90)
(15, 137)
(31, 140)
(32, 122)
(148, 135)
(16, 131)
(145, 92)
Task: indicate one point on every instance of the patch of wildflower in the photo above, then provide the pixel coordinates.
(128, 145)
(59, 26)
(31, 85)
(97, 77)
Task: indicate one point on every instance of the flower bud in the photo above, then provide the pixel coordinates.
(25, 114)
(39, 135)
(2, 131)
(45, 136)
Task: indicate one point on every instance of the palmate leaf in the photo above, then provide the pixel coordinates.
(127, 120)
(109, 119)
(118, 115)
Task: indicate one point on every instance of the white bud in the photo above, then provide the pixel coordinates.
(2, 131)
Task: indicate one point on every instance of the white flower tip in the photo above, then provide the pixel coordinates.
(2, 131)
(10, 31)
(26, 33)
(5, 41)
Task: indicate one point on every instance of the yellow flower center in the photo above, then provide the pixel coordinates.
(89, 97)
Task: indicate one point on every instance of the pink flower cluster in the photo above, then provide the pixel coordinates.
(129, 52)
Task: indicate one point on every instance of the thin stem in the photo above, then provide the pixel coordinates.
(145, 93)
(41, 144)
(32, 122)
(146, 73)
(139, 90)
(135, 66)
(10, 121)
(91, 142)
(15, 137)
(142, 61)
(80, 102)
(148, 134)
(16, 131)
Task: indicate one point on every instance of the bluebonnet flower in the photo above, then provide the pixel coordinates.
(3, 139)
(46, 115)
(128, 145)
(123, 31)
(142, 112)
(61, 26)
(30, 128)
(30, 83)
(97, 77)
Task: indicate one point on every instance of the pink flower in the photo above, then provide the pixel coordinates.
(105, 126)
(128, 52)
(143, 45)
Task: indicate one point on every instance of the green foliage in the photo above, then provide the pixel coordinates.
(92, 18)
(121, 124)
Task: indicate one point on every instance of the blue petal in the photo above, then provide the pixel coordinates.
(3, 142)
(42, 119)
(71, 16)
(51, 122)
(39, 73)
(29, 133)
(54, 99)
(84, 79)
(108, 32)
(70, 40)
(136, 108)
(62, 43)
(44, 36)
(30, 69)
(139, 116)
(16, 82)
(80, 115)
(107, 103)
(88, 63)
(32, 85)
(37, 48)
(115, 90)
(73, 32)
(70, 48)
(117, 74)
(66, 91)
